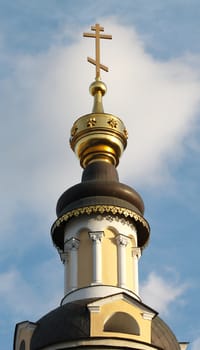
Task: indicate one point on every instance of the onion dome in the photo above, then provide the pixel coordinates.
(100, 192)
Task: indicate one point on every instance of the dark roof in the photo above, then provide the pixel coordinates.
(67, 322)
(97, 189)
(162, 336)
(99, 179)
(100, 186)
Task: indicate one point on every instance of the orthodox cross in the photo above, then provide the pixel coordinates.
(97, 35)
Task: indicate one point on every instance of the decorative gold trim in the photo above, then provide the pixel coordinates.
(100, 209)
(91, 122)
(98, 136)
(113, 123)
(103, 122)
(126, 133)
(74, 130)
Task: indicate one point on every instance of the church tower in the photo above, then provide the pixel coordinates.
(100, 233)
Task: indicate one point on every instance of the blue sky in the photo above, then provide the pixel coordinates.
(154, 86)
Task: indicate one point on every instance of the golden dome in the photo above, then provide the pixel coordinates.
(98, 135)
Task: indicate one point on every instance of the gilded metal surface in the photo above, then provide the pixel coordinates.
(101, 209)
(126, 133)
(103, 121)
(99, 135)
(91, 122)
(113, 123)
(98, 89)
(97, 36)
(97, 86)
(74, 130)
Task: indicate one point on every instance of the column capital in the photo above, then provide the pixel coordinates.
(122, 240)
(96, 235)
(136, 251)
(64, 257)
(72, 244)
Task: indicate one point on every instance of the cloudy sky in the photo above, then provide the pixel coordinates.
(154, 87)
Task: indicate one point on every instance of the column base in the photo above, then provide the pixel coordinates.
(95, 291)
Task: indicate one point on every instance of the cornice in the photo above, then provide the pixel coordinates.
(88, 210)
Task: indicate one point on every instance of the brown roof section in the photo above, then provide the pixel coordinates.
(162, 336)
(100, 186)
(67, 322)
(100, 179)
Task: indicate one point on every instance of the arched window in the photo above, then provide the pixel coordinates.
(123, 323)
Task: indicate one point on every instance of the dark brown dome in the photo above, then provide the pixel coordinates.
(162, 336)
(100, 191)
(100, 179)
(67, 322)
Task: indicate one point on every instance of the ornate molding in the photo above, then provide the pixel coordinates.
(93, 209)
(96, 235)
(116, 218)
(122, 240)
(91, 122)
(64, 256)
(148, 315)
(136, 252)
(72, 243)
(112, 123)
(93, 308)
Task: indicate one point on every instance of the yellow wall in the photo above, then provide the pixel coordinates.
(98, 320)
(24, 333)
(85, 261)
(109, 259)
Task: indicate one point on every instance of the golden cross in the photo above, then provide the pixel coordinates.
(97, 35)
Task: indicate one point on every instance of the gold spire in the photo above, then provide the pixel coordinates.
(98, 136)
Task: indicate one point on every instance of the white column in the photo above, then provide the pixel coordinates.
(72, 246)
(65, 259)
(96, 238)
(136, 253)
(122, 242)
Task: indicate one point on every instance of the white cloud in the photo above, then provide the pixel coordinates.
(160, 292)
(159, 102)
(46, 92)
